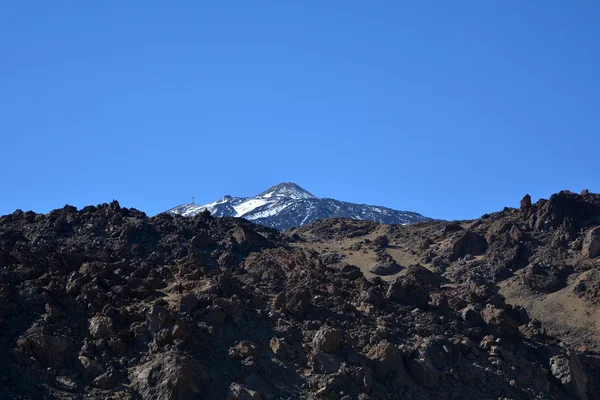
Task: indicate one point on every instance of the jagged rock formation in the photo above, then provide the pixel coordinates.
(108, 303)
(288, 205)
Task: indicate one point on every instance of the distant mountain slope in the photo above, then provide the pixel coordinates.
(287, 205)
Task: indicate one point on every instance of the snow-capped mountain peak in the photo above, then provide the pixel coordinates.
(286, 189)
(287, 205)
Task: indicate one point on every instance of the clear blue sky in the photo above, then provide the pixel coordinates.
(448, 108)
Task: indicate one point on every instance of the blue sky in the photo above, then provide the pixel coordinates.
(451, 109)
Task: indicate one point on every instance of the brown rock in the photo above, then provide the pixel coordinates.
(107, 380)
(324, 363)
(298, 302)
(54, 311)
(516, 234)
(158, 317)
(188, 303)
(591, 243)
(243, 349)
(202, 240)
(238, 391)
(65, 383)
(280, 348)
(381, 241)
(179, 331)
(569, 372)
(526, 203)
(386, 359)
(364, 377)
(90, 367)
(247, 240)
(471, 315)
(385, 268)
(48, 350)
(170, 376)
(424, 373)
(327, 340)
(101, 327)
(468, 242)
(227, 260)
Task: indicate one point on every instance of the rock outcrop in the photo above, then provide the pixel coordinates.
(105, 302)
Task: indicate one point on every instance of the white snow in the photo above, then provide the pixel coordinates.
(269, 212)
(247, 206)
(268, 195)
(192, 210)
(305, 218)
(291, 198)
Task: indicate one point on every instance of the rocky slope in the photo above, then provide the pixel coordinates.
(108, 303)
(287, 205)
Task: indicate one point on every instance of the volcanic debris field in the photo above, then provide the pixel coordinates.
(107, 303)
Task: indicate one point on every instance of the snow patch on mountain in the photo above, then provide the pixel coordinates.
(247, 206)
(287, 205)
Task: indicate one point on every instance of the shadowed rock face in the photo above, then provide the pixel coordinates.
(108, 303)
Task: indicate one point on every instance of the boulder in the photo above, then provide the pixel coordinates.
(424, 373)
(452, 227)
(171, 377)
(65, 383)
(591, 243)
(280, 348)
(468, 242)
(297, 302)
(364, 378)
(385, 268)
(243, 349)
(526, 203)
(101, 327)
(381, 241)
(325, 363)
(238, 391)
(568, 371)
(246, 240)
(260, 385)
(90, 367)
(48, 350)
(413, 287)
(158, 317)
(107, 380)
(472, 316)
(386, 359)
(202, 240)
(226, 260)
(327, 340)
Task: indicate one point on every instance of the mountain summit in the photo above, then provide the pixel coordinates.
(287, 205)
(287, 189)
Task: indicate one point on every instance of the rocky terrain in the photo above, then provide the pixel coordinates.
(107, 303)
(287, 205)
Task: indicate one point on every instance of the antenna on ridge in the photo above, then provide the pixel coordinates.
(193, 197)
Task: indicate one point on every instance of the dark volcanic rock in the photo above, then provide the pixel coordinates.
(385, 268)
(526, 203)
(106, 302)
(48, 350)
(591, 243)
(567, 206)
(170, 376)
(327, 340)
(468, 242)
